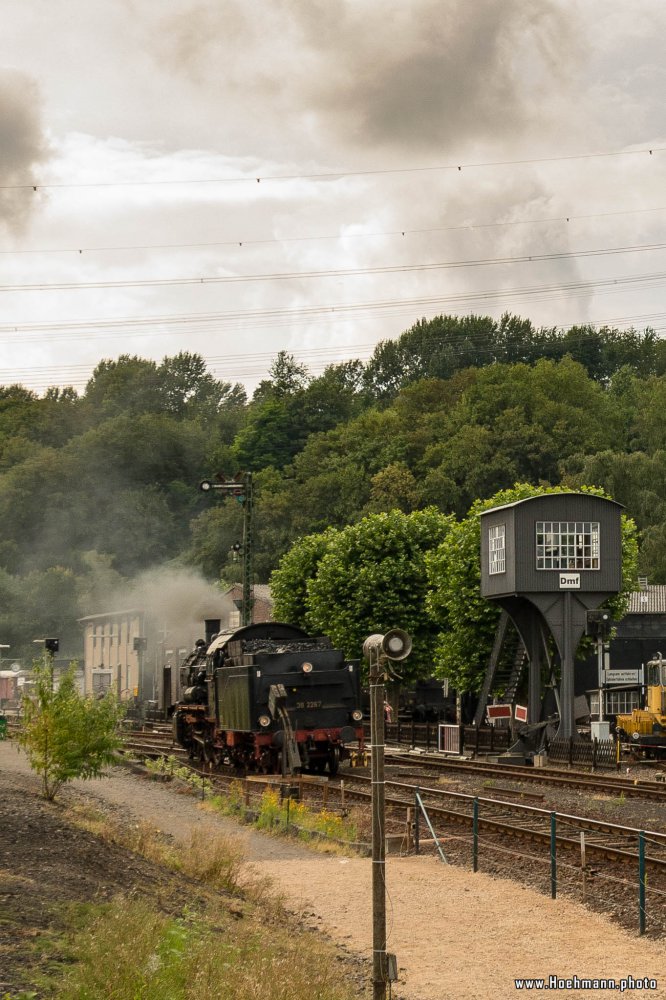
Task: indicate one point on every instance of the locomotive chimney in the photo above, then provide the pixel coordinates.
(212, 626)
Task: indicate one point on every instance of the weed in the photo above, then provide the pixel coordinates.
(169, 767)
(278, 815)
(150, 956)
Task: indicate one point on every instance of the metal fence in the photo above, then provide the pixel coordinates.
(484, 739)
(583, 753)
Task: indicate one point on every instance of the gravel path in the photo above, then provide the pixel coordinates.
(457, 935)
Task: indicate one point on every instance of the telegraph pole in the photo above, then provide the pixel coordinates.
(241, 489)
(378, 649)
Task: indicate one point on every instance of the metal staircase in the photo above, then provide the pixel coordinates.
(497, 679)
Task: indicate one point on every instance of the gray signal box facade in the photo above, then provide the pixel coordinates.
(547, 561)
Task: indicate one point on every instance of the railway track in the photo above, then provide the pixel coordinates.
(518, 820)
(643, 788)
(590, 851)
(502, 817)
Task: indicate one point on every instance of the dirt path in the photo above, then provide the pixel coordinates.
(457, 935)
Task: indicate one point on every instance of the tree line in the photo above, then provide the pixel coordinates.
(98, 486)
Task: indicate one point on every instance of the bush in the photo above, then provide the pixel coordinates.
(66, 735)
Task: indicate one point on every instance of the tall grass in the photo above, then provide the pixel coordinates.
(130, 952)
(207, 855)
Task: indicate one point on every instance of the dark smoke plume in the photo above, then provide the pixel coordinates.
(23, 147)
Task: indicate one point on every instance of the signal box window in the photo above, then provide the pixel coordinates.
(497, 549)
(567, 544)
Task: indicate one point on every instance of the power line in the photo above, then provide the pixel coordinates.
(347, 310)
(334, 174)
(254, 365)
(331, 273)
(333, 236)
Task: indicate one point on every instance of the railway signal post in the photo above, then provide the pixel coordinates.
(378, 649)
(241, 489)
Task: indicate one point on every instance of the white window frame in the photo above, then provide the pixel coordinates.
(497, 549)
(567, 545)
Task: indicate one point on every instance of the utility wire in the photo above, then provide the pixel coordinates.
(333, 174)
(333, 272)
(332, 236)
(248, 365)
(290, 316)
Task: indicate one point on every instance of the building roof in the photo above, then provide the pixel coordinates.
(550, 496)
(111, 614)
(260, 591)
(651, 600)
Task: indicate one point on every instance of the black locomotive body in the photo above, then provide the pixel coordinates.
(269, 698)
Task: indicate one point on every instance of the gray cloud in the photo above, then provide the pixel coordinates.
(420, 76)
(455, 72)
(22, 145)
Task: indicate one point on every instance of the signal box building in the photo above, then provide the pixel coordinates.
(547, 561)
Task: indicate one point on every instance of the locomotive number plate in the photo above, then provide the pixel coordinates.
(308, 704)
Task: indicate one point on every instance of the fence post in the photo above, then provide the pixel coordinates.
(427, 736)
(413, 734)
(416, 820)
(492, 738)
(641, 883)
(399, 736)
(475, 836)
(553, 857)
(571, 746)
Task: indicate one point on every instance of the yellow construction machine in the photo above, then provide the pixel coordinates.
(645, 728)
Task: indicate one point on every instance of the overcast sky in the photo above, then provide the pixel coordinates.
(133, 134)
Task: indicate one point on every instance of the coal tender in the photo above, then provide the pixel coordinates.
(269, 698)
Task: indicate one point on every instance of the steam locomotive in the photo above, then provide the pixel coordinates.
(269, 698)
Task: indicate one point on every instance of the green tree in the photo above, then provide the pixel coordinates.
(467, 621)
(65, 735)
(188, 388)
(213, 533)
(297, 569)
(393, 488)
(372, 578)
(129, 385)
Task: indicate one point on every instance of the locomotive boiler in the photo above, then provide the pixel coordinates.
(269, 698)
